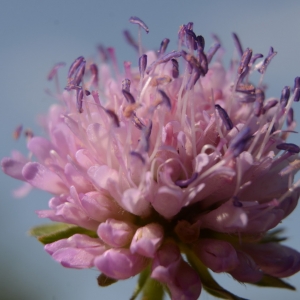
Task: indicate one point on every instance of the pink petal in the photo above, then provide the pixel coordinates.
(13, 167)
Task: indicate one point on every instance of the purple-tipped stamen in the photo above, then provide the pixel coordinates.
(224, 116)
(239, 142)
(126, 85)
(175, 68)
(269, 105)
(203, 61)
(137, 122)
(128, 96)
(238, 44)
(17, 132)
(290, 117)
(138, 155)
(200, 41)
(75, 65)
(236, 202)
(248, 89)
(259, 100)
(166, 99)
(186, 182)
(194, 78)
(163, 46)
(245, 60)
(191, 39)
(87, 93)
(285, 95)
(296, 94)
(138, 21)
(95, 73)
(79, 99)
(191, 59)
(163, 59)
(267, 61)
(54, 70)
(79, 73)
(142, 64)
(292, 148)
(103, 53)
(130, 40)
(189, 25)
(113, 116)
(255, 57)
(212, 51)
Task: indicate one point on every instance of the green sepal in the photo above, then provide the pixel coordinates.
(49, 233)
(208, 282)
(104, 280)
(270, 281)
(273, 236)
(143, 277)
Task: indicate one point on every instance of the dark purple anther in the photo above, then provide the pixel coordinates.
(138, 155)
(79, 99)
(191, 59)
(248, 89)
(255, 57)
(189, 25)
(239, 142)
(203, 61)
(175, 68)
(163, 46)
(212, 51)
(113, 116)
(75, 65)
(296, 94)
(128, 96)
(297, 83)
(94, 71)
(185, 183)
(259, 100)
(79, 73)
(285, 95)
(245, 60)
(136, 20)
(163, 59)
(126, 85)
(238, 44)
(236, 202)
(54, 70)
(142, 64)
(224, 116)
(87, 93)
(137, 121)
(267, 60)
(166, 99)
(200, 42)
(290, 117)
(288, 147)
(269, 105)
(130, 40)
(191, 39)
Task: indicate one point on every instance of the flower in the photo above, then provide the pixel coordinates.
(156, 162)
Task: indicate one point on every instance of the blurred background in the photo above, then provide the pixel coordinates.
(36, 34)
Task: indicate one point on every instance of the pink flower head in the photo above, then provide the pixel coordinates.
(179, 155)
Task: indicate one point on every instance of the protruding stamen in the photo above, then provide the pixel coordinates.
(285, 95)
(165, 58)
(130, 40)
(267, 60)
(175, 68)
(94, 71)
(79, 73)
(136, 20)
(75, 65)
(166, 99)
(191, 39)
(142, 64)
(79, 99)
(297, 89)
(247, 89)
(17, 132)
(245, 60)
(239, 142)
(203, 61)
(212, 51)
(54, 70)
(163, 46)
(224, 116)
(200, 41)
(288, 147)
(269, 105)
(185, 183)
(126, 85)
(128, 96)
(238, 44)
(191, 59)
(255, 57)
(28, 134)
(113, 116)
(193, 78)
(259, 99)
(290, 117)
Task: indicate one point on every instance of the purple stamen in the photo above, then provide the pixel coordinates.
(17, 132)
(126, 85)
(128, 96)
(285, 95)
(138, 155)
(166, 99)
(290, 117)
(137, 122)
(190, 25)
(103, 53)
(236, 202)
(136, 20)
(297, 83)
(248, 89)
(212, 51)
(77, 62)
(191, 59)
(163, 59)
(194, 78)
(239, 142)
(296, 94)
(130, 40)
(259, 99)
(200, 42)
(267, 60)
(224, 116)
(79, 99)
(175, 68)
(191, 39)
(54, 70)
(163, 46)
(79, 73)
(203, 61)
(288, 147)
(255, 57)
(113, 116)
(269, 105)
(142, 64)
(94, 71)
(186, 182)
(238, 44)
(87, 93)
(245, 60)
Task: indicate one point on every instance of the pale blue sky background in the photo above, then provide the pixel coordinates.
(35, 34)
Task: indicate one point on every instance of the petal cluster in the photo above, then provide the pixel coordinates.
(178, 154)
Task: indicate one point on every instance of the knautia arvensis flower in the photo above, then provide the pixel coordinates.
(168, 170)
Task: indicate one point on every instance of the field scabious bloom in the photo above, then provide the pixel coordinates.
(168, 170)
